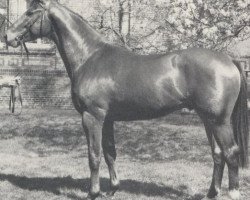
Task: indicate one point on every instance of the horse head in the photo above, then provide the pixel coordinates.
(33, 24)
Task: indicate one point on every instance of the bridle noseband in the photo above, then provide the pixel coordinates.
(28, 27)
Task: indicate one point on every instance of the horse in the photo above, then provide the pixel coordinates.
(110, 83)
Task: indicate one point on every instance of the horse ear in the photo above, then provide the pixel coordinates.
(43, 2)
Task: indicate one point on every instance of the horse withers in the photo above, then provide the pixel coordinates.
(110, 83)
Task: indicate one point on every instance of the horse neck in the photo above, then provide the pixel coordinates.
(76, 40)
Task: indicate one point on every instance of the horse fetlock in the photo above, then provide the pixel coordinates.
(115, 185)
(234, 194)
(94, 191)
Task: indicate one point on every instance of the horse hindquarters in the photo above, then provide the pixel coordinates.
(229, 129)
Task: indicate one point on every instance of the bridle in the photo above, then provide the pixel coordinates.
(28, 27)
(20, 38)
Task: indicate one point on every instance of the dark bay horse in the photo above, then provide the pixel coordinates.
(110, 83)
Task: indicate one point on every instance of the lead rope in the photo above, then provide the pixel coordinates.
(26, 49)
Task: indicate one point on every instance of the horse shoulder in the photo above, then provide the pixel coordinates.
(93, 91)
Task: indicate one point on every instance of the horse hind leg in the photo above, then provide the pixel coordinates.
(219, 164)
(108, 145)
(223, 134)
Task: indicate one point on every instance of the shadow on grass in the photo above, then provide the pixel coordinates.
(64, 138)
(54, 185)
(154, 140)
(135, 139)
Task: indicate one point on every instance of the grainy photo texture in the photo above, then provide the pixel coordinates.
(124, 99)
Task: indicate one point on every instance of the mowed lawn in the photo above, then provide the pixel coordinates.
(43, 156)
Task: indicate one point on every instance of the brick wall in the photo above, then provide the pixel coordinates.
(45, 82)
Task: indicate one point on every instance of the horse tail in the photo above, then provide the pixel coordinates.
(240, 119)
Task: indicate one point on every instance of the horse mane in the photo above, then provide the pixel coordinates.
(83, 23)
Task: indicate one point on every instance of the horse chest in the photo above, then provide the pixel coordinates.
(95, 92)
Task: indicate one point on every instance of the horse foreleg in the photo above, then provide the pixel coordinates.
(108, 145)
(219, 164)
(93, 129)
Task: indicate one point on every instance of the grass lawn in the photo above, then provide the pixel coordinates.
(44, 156)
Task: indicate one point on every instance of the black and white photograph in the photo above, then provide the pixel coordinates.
(124, 99)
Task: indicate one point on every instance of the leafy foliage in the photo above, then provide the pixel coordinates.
(162, 25)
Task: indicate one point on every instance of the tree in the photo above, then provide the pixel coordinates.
(114, 19)
(208, 23)
(163, 25)
(3, 14)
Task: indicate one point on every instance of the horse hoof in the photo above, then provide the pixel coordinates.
(113, 190)
(213, 193)
(93, 196)
(110, 193)
(234, 194)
